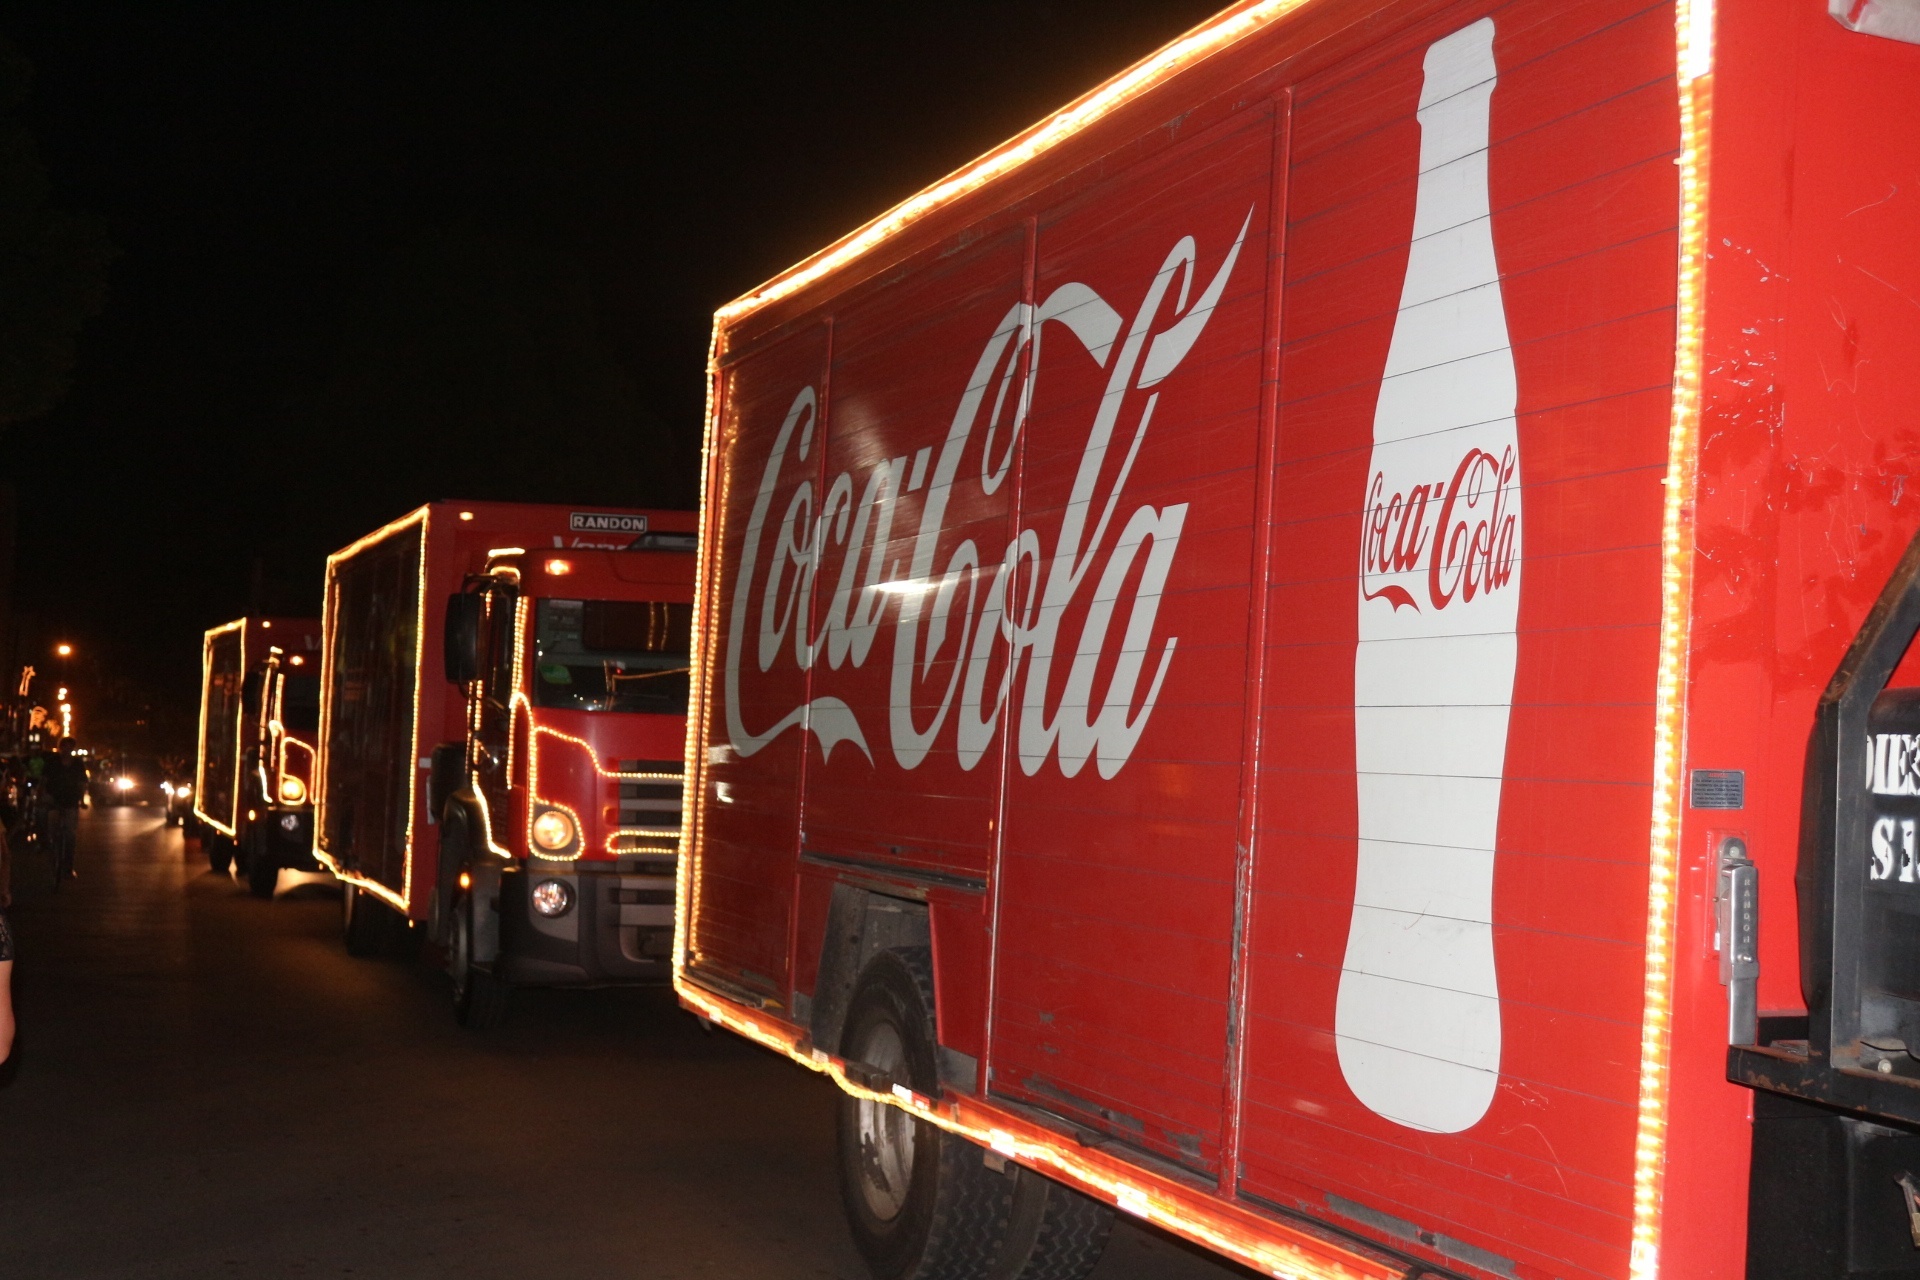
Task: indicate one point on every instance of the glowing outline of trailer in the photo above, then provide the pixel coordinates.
(200, 769)
(422, 516)
(1694, 32)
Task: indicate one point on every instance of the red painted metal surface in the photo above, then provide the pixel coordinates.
(1081, 545)
(575, 751)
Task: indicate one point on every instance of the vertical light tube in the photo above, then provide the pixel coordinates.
(1417, 1022)
(1694, 32)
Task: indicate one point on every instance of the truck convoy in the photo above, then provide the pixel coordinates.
(503, 720)
(1304, 650)
(259, 710)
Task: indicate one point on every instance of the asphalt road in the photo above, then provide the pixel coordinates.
(206, 1085)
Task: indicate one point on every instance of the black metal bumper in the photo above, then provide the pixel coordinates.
(619, 928)
(290, 845)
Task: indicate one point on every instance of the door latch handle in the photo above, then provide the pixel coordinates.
(1736, 917)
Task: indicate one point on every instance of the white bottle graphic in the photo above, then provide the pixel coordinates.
(1417, 1022)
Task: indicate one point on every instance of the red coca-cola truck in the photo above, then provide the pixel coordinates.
(259, 709)
(1311, 650)
(503, 717)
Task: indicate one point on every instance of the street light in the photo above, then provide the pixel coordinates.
(64, 650)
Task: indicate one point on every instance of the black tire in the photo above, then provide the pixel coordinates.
(363, 921)
(950, 1218)
(455, 854)
(263, 869)
(219, 852)
(479, 998)
(1055, 1232)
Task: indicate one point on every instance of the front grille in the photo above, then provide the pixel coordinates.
(649, 812)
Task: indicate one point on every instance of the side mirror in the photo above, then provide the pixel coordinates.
(466, 615)
(250, 689)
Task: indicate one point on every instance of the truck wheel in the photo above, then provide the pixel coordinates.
(219, 852)
(263, 871)
(363, 920)
(921, 1203)
(1055, 1232)
(479, 998)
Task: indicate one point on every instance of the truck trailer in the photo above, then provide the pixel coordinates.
(1312, 650)
(259, 712)
(504, 692)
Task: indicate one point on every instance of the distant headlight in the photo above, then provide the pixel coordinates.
(553, 830)
(123, 784)
(167, 787)
(292, 791)
(552, 897)
(184, 789)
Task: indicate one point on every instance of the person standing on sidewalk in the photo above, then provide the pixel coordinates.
(66, 786)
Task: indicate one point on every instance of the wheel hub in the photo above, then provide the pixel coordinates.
(887, 1133)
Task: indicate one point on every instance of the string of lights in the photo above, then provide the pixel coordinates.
(1694, 68)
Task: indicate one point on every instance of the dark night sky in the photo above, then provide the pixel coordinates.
(377, 254)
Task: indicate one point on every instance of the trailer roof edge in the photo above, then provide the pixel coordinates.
(1218, 33)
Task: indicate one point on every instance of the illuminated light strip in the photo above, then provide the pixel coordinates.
(520, 702)
(239, 729)
(373, 887)
(419, 672)
(694, 758)
(206, 686)
(284, 743)
(417, 516)
(486, 818)
(287, 743)
(1210, 37)
(604, 772)
(517, 701)
(270, 787)
(1269, 1246)
(1693, 67)
(614, 847)
(538, 730)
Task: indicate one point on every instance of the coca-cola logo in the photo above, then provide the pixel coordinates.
(1461, 531)
(977, 631)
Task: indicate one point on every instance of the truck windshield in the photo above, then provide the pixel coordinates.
(612, 655)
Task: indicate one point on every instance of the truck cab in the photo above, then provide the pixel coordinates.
(502, 727)
(259, 715)
(560, 809)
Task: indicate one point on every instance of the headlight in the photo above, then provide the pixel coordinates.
(167, 787)
(183, 789)
(123, 784)
(552, 897)
(292, 791)
(553, 830)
